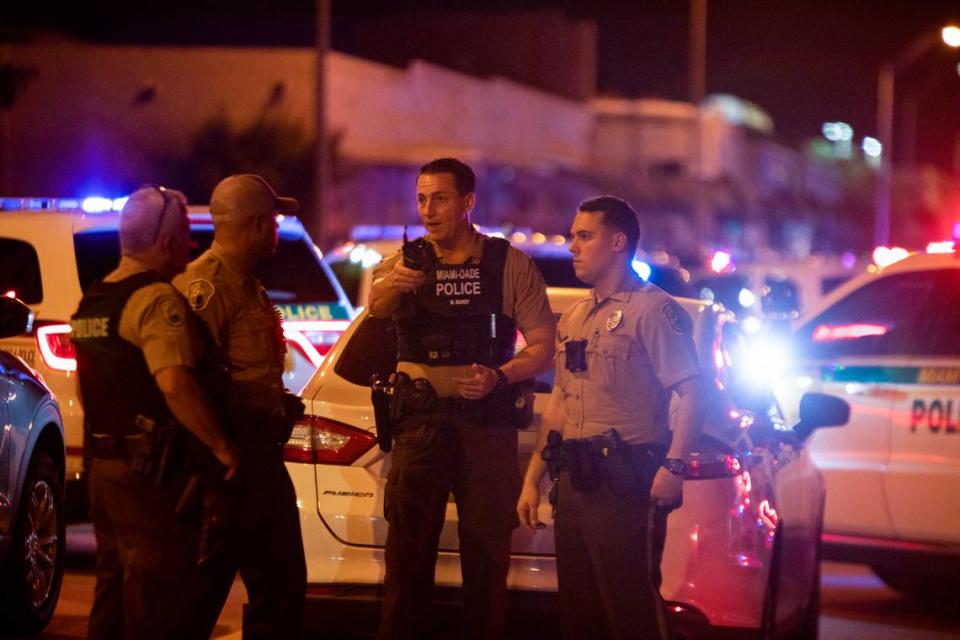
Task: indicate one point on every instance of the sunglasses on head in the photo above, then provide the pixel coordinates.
(167, 199)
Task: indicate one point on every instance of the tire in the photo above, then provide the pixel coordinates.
(31, 576)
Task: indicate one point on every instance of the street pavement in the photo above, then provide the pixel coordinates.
(856, 604)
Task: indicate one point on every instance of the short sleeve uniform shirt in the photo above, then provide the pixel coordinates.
(639, 344)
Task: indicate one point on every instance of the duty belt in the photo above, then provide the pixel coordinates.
(107, 446)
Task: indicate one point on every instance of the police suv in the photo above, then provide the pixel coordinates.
(889, 343)
(742, 553)
(52, 249)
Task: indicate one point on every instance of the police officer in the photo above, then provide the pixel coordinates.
(623, 351)
(266, 544)
(137, 350)
(457, 317)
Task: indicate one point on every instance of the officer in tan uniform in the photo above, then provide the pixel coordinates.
(138, 348)
(623, 351)
(457, 319)
(266, 545)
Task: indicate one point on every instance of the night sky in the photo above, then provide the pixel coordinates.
(805, 62)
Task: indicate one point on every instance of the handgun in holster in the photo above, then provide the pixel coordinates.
(154, 449)
(293, 410)
(381, 394)
(203, 501)
(552, 455)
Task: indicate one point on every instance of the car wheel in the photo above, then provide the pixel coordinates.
(31, 577)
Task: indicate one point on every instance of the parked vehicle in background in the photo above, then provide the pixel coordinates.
(32, 529)
(743, 552)
(51, 250)
(887, 342)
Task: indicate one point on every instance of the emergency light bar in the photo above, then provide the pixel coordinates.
(91, 204)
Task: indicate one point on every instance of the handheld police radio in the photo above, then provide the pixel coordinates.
(418, 254)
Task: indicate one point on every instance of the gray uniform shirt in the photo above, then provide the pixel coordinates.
(639, 345)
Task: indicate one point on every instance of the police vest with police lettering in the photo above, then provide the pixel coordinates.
(456, 317)
(115, 383)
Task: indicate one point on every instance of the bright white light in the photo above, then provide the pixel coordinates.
(96, 204)
(370, 258)
(720, 261)
(951, 36)
(837, 131)
(945, 246)
(642, 268)
(119, 202)
(746, 298)
(872, 147)
(356, 254)
(751, 325)
(765, 360)
(885, 256)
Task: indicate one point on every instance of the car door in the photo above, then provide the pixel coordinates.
(924, 470)
(855, 349)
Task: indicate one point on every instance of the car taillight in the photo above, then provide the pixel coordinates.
(313, 338)
(317, 440)
(56, 348)
(712, 465)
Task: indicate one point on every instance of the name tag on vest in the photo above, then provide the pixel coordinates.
(457, 285)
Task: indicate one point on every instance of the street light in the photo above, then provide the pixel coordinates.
(949, 35)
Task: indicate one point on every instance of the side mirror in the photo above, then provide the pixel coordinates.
(819, 410)
(15, 317)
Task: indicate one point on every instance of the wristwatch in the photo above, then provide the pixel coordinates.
(676, 466)
(502, 381)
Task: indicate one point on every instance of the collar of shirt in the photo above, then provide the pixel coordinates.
(128, 266)
(229, 262)
(473, 253)
(621, 295)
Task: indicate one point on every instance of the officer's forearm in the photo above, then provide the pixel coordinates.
(384, 298)
(189, 404)
(688, 419)
(536, 357)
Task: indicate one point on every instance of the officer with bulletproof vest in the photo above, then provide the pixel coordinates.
(458, 298)
(264, 541)
(623, 351)
(138, 353)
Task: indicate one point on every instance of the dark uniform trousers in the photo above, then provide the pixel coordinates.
(609, 546)
(432, 456)
(264, 544)
(144, 555)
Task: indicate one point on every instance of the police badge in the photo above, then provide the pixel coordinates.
(613, 320)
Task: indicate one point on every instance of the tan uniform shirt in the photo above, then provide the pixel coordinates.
(639, 345)
(242, 320)
(155, 320)
(524, 300)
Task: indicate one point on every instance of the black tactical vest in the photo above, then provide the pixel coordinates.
(115, 383)
(456, 317)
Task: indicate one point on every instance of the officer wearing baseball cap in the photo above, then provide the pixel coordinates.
(266, 545)
(139, 351)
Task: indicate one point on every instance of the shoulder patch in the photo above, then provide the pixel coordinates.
(172, 310)
(199, 293)
(678, 319)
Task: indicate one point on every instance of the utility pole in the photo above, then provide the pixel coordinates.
(697, 76)
(323, 165)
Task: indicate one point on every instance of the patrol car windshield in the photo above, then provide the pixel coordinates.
(292, 275)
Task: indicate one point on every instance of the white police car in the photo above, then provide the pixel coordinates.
(31, 487)
(742, 553)
(52, 249)
(889, 343)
